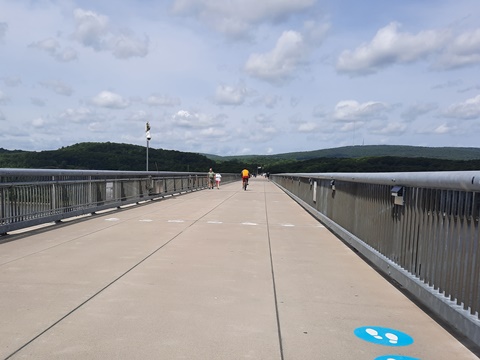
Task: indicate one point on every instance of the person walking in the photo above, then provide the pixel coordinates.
(211, 178)
(218, 178)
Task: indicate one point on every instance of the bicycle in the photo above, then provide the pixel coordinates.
(245, 183)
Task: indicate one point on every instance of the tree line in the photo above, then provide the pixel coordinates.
(127, 157)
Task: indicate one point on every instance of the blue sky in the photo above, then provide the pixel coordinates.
(239, 76)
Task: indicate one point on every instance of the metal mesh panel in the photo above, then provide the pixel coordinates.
(433, 234)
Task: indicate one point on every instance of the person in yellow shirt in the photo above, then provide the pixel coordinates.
(245, 176)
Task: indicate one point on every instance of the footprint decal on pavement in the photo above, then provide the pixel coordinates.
(392, 338)
(395, 357)
(373, 333)
(383, 336)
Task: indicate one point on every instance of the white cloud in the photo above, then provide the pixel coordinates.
(270, 130)
(110, 100)
(153, 63)
(79, 115)
(236, 18)
(49, 45)
(390, 46)
(271, 101)
(162, 100)
(308, 127)
(351, 110)
(278, 65)
(66, 55)
(230, 95)
(262, 119)
(245, 150)
(262, 134)
(186, 119)
(38, 123)
(125, 45)
(464, 50)
(52, 47)
(351, 126)
(392, 128)
(58, 87)
(444, 129)
(96, 127)
(93, 30)
(467, 110)
(213, 133)
(139, 116)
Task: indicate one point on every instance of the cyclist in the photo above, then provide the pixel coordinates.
(245, 176)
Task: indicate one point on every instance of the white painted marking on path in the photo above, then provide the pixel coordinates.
(112, 219)
(287, 225)
(145, 220)
(176, 221)
(249, 223)
(374, 333)
(214, 222)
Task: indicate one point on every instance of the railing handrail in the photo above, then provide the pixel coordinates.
(67, 172)
(31, 197)
(452, 180)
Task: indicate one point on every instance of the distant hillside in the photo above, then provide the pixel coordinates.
(105, 156)
(113, 156)
(373, 164)
(447, 153)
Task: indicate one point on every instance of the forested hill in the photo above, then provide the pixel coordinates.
(447, 153)
(114, 156)
(105, 156)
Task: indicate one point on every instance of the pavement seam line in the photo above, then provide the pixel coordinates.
(112, 282)
(277, 314)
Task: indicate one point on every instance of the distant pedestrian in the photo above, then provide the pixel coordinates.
(218, 178)
(211, 178)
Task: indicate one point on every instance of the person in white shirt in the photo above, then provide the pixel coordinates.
(218, 178)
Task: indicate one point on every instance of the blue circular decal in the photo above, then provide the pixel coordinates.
(395, 357)
(383, 336)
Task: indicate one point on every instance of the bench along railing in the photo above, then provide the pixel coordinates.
(31, 197)
(420, 229)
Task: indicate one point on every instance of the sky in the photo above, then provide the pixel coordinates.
(237, 77)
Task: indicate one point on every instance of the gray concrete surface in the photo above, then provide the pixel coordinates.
(215, 274)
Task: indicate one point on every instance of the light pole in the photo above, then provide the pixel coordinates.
(148, 136)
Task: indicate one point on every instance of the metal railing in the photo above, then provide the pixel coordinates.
(31, 197)
(420, 229)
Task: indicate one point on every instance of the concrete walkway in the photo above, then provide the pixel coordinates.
(216, 274)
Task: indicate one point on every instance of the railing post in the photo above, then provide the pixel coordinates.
(53, 197)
